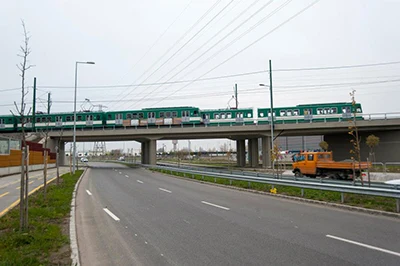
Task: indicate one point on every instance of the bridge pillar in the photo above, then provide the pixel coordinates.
(253, 152)
(266, 152)
(152, 152)
(51, 144)
(241, 152)
(143, 157)
(61, 153)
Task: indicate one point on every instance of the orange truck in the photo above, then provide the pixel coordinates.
(321, 164)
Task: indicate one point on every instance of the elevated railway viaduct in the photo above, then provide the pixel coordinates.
(335, 133)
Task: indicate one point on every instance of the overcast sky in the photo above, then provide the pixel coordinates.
(144, 42)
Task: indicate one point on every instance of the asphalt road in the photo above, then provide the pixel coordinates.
(10, 186)
(135, 217)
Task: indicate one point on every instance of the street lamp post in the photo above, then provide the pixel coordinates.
(271, 109)
(74, 134)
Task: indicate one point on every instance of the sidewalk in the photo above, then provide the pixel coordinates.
(10, 186)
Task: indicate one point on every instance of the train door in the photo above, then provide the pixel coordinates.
(185, 116)
(206, 119)
(89, 120)
(118, 119)
(2, 123)
(58, 121)
(151, 117)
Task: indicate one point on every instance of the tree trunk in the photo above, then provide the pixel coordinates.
(45, 174)
(57, 166)
(26, 185)
(22, 192)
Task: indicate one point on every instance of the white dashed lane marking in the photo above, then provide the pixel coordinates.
(215, 205)
(165, 190)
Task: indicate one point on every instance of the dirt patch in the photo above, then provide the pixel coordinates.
(63, 255)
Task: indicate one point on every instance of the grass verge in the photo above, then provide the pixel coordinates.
(46, 242)
(365, 201)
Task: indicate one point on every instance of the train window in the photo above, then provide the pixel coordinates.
(79, 118)
(216, 116)
(161, 114)
(289, 112)
(134, 115)
(195, 113)
(283, 113)
(358, 110)
(261, 114)
(269, 113)
(37, 119)
(43, 119)
(334, 110)
(239, 115)
(89, 118)
(168, 114)
(68, 118)
(118, 116)
(128, 116)
(174, 114)
(58, 118)
(296, 112)
(248, 115)
(109, 117)
(229, 115)
(308, 112)
(346, 110)
(2, 121)
(49, 119)
(319, 111)
(141, 115)
(223, 116)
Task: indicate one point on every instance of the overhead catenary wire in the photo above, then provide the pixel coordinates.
(248, 46)
(173, 46)
(213, 45)
(157, 41)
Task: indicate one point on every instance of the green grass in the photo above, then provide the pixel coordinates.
(370, 202)
(41, 243)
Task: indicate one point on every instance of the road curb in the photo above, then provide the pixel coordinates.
(72, 226)
(331, 204)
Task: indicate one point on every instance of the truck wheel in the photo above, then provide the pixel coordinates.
(297, 173)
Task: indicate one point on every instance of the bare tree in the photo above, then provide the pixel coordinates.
(356, 139)
(23, 117)
(45, 134)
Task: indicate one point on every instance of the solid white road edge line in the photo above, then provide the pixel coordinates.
(165, 190)
(111, 214)
(215, 205)
(87, 191)
(141, 182)
(364, 245)
(126, 176)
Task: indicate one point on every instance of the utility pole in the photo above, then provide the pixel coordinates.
(34, 103)
(48, 102)
(236, 96)
(272, 109)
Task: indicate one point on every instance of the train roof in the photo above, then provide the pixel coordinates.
(165, 108)
(225, 110)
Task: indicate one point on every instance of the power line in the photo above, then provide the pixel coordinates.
(212, 46)
(208, 23)
(157, 40)
(181, 38)
(248, 46)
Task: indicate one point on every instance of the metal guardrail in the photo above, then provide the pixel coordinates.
(391, 191)
(285, 177)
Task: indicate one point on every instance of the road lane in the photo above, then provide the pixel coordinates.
(10, 186)
(257, 230)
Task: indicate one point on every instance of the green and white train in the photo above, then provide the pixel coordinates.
(184, 115)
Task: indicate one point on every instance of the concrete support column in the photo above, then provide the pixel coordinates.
(51, 144)
(249, 153)
(143, 157)
(152, 152)
(266, 152)
(254, 153)
(61, 153)
(241, 153)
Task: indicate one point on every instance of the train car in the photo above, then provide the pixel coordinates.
(227, 116)
(311, 112)
(154, 116)
(66, 120)
(8, 123)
